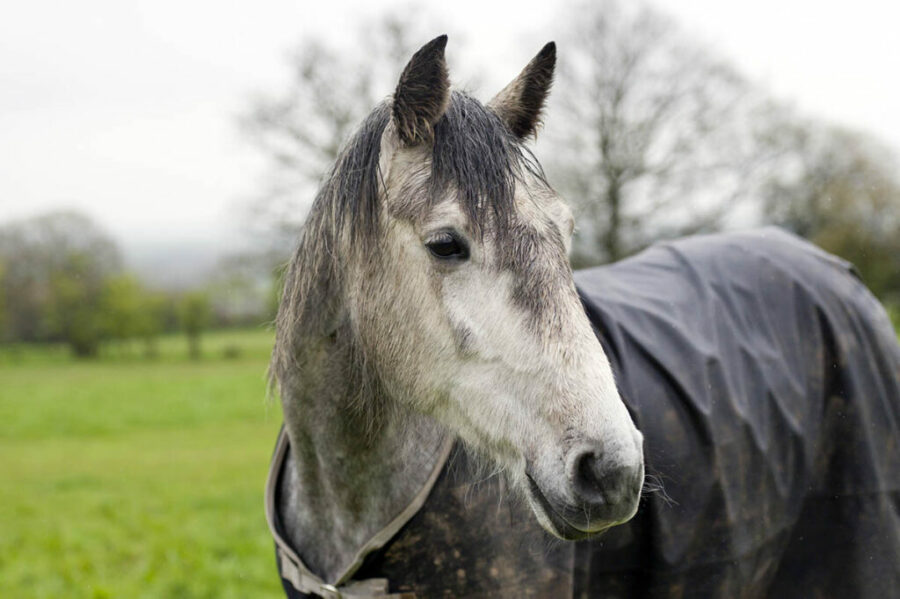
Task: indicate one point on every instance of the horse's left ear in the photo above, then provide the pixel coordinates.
(519, 104)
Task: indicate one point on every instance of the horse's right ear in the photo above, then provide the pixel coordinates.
(422, 94)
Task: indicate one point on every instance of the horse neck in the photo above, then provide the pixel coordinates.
(347, 476)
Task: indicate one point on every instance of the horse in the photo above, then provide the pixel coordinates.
(465, 416)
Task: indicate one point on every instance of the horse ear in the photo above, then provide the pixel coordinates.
(422, 94)
(519, 104)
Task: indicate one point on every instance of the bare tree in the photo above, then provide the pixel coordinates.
(654, 137)
(302, 130)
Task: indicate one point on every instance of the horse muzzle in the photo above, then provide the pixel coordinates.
(603, 491)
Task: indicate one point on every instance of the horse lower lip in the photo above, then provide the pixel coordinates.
(563, 526)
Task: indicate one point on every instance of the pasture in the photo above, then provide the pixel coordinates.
(128, 477)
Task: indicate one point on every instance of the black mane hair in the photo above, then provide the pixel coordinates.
(473, 153)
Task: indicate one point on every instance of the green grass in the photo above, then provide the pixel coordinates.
(124, 477)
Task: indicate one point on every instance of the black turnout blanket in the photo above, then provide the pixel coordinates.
(766, 381)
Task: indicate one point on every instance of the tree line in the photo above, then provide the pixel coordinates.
(62, 280)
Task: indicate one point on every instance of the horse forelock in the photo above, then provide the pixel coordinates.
(477, 158)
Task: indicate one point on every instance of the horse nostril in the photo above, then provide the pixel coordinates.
(599, 481)
(590, 480)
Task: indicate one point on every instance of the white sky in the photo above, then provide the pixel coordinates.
(126, 109)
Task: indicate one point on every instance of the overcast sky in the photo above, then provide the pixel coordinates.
(126, 109)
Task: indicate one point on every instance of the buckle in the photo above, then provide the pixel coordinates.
(329, 591)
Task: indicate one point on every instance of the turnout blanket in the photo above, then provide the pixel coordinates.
(766, 381)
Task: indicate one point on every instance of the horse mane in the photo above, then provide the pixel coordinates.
(474, 154)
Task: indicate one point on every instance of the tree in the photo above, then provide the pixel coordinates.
(74, 310)
(650, 131)
(56, 265)
(302, 130)
(839, 189)
(194, 313)
(132, 312)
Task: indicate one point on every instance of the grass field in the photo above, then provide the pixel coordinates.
(124, 477)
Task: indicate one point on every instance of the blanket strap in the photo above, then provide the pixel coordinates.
(295, 571)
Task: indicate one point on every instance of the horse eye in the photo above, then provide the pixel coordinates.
(447, 246)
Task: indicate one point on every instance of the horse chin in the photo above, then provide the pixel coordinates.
(553, 522)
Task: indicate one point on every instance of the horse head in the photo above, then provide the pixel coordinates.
(436, 254)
